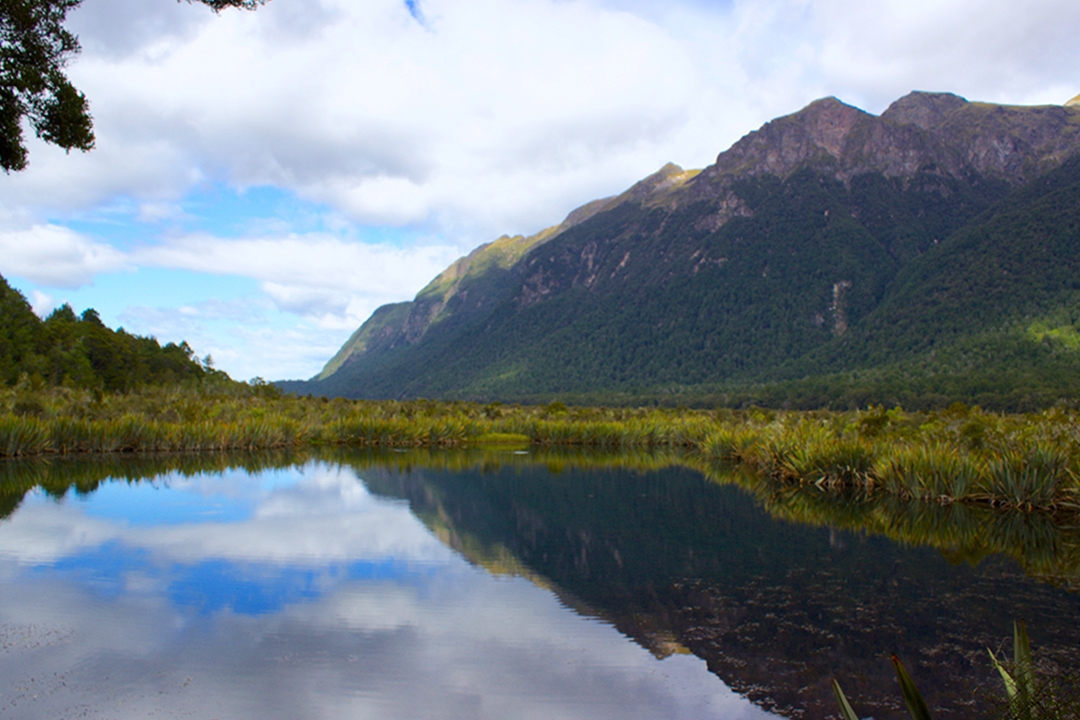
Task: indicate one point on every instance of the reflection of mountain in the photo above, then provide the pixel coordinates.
(776, 609)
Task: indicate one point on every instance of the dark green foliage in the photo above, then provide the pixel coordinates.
(81, 352)
(20, 331)
(219, 5)
(34, 47)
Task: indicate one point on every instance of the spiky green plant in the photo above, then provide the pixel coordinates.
(926, 471)
(916, 705)
(1027, 478)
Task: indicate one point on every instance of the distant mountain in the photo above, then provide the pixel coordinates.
(832, 257)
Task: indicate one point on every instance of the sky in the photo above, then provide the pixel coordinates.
(263, 181)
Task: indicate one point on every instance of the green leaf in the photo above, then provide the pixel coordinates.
(914, 699)
(1024, 670)
(1022, 655)
(1010, 683)
(845, 707)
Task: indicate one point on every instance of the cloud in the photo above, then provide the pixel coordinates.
(56, 256)
(995, 51)
(362, 107)
(43, 303)
(497, 116)
(332, 281)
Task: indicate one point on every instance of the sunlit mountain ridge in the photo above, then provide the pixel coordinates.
(832, 257)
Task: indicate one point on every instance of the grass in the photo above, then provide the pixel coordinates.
(1028, 463)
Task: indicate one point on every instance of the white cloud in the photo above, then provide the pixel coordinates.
(43, 303)
(365, 108)
(327, 279)
(500, 115)
(56, 256)
(997, 51)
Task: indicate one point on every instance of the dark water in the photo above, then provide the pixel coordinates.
(483, 587)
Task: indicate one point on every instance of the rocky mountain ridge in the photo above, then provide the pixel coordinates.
(790, 241)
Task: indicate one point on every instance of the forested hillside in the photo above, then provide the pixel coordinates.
(79, 351)
(831, 258)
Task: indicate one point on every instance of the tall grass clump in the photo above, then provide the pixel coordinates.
(730, 445)
(959, 454)
(926, 472)
(1027, 478)
(810, 451)
(23, 436)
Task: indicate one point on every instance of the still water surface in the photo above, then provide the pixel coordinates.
(380, 589)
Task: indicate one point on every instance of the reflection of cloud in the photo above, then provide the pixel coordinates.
(125, 620)
(326, 517)
(462, 645)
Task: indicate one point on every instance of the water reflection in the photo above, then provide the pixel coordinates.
(292, 592)
(776, 608)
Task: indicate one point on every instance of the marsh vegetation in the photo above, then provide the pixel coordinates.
(957, 456)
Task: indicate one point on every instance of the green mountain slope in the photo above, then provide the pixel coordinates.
(827, 245)
(990, 315)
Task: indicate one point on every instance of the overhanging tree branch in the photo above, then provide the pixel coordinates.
(34, 49)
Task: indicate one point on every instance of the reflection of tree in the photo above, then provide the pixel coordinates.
(84, 474)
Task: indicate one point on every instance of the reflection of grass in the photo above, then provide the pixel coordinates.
(965, 532)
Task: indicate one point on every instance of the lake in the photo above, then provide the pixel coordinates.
(487, 584)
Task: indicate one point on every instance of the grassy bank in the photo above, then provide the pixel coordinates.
(961, 455)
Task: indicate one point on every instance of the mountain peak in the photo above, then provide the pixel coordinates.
(817, 132)
(926, 110)
(1075, 102)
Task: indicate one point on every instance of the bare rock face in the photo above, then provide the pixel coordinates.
(921, 131)
(927, 111)
(817, 133)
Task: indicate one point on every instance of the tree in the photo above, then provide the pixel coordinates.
(34, 48)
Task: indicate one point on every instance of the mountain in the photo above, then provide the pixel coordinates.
(832, 257)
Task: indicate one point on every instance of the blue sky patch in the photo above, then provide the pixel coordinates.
(154, 504)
